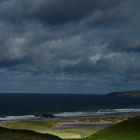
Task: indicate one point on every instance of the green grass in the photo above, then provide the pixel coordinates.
(39, 126)
(48, 126)
(9, 134)
(72, 133)
(126, 130)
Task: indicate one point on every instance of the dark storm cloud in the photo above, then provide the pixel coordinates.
(10, 63)
(61, 11)
(53, 12)
(126, 43)
(81, 42)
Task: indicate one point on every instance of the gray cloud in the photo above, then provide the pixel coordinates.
(84, 42)
(52, 12)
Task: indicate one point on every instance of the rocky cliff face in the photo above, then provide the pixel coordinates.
(125, 94)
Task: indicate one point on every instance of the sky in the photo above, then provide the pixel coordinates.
(69, 46)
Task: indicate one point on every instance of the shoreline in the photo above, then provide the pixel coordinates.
(70, 127)
(74, 115)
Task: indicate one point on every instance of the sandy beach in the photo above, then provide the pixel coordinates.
(66, 127)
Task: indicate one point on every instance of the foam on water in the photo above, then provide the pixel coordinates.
(15, 118)
(100, 112)
(96, 113)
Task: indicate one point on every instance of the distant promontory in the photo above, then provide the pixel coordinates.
(125, 94)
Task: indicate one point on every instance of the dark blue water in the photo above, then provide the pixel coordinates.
(23, 104)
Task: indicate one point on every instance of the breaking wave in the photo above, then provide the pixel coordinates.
(97, 113)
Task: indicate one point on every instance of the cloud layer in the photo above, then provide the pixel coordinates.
(77, 46)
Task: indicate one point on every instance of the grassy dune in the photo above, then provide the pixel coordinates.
(41, 126)
(48, 126)
(126, 130)
(9, 134)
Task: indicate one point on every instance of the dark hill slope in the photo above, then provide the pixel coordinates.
(9, 134)
(126, 130)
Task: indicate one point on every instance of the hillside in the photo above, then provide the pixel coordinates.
(125, 94)
(126, 130)
(54, 127)
(9, 134)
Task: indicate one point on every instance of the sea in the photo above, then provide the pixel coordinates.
(28, 106)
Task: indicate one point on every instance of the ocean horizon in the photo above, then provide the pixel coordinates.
(64, 105)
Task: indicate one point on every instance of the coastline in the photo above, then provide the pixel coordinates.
(102, 113)
(67, 127)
